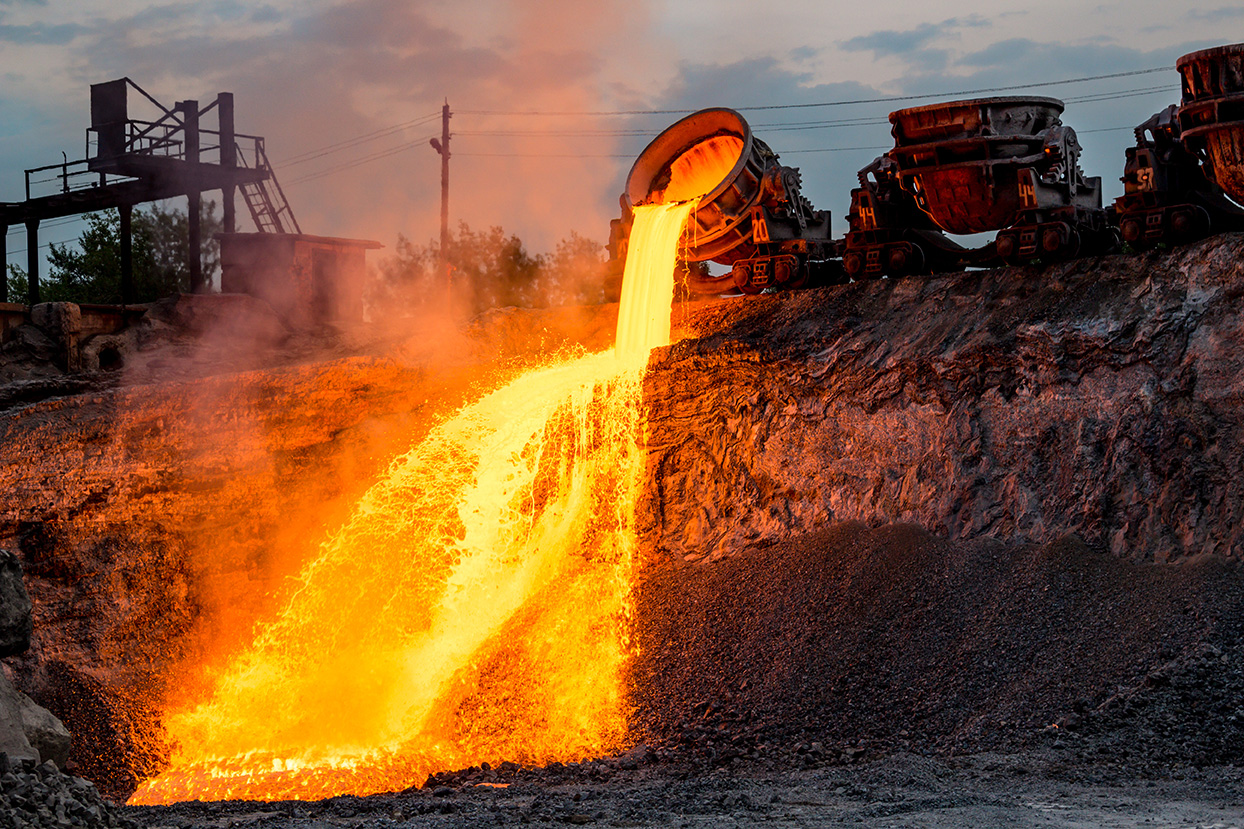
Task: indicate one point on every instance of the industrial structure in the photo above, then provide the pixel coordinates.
(129, 161)
(183, 150)
(1004, 165)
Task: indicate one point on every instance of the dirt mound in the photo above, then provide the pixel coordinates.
(854, 640)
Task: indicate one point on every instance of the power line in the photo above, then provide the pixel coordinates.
(873, 148)
(53, 223)
(545, 155)
(778, 126)
(1112, 96)
(785, 126)
(350, 143)
(42, 246)
(885, 99)
(366, 159)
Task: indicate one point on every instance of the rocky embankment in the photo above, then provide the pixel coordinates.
(34, 745)
(854, 643)
(996, 510)
(1068, 441)
(1102, 398)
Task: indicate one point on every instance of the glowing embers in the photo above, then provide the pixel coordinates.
(475, 608)
(648, 279)
(472, 609)
(700, 169)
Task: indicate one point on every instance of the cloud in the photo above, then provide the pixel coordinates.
(905, 42)
(310, 75)
(819, 139)
(309, 78)
(41, 33)
(828, 144)
(265, 14)
(1216, 15)
(1018, 60)
(913, 45)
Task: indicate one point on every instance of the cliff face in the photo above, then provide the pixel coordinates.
(1103, 398)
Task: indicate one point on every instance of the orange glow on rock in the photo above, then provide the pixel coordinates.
(476, 605)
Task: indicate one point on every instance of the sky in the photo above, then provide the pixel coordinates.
(553, 99)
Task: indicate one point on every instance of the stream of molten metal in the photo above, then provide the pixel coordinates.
(474, 608)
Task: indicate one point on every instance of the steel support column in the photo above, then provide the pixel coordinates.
(228, 156)
(194, 196)
(32, 262)
(127, 254)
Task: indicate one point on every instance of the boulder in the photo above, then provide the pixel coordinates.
(46, 734)
(15, 623)
(13, 740)
(26, 729)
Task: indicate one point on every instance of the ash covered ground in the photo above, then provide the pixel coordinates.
(885, 677)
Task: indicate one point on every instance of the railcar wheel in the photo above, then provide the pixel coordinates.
(743, 278)
(796, 274)
(853, 264)
(1054, 239)
(784, 271)
(1071, 248)
(1189, 223)
(897, 262)
(1005, 246)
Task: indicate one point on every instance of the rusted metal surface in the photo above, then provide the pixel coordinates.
(1167, 196)
(754, 218)
(1211, 116)
(976, 165)
(888, 233)
(722, 222)
(1006, 165)
(130, 161)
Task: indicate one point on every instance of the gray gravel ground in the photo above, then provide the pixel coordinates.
(883, 677)
(982, 790)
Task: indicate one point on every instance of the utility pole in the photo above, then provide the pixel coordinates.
(442, 147)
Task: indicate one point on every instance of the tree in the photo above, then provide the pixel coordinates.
(493, 269)
(575, 273)
(89, 270)
(18, 284)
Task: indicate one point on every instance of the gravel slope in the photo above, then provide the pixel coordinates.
(885, 677)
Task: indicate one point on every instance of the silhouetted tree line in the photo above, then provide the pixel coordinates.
(488, 269)
(89, 270)
(493, 269)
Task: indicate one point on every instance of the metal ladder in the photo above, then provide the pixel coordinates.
(265, 199)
